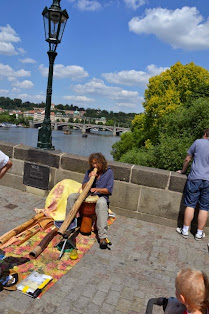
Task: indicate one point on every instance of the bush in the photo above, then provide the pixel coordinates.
(177, 131)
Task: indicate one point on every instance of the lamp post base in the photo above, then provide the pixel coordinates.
(45, 137)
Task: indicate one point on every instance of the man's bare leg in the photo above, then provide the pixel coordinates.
(202, 219)
(5, 169)
(188, 216)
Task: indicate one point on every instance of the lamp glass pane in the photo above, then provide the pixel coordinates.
(63, 19)
(62, 26)
(46, 25)
(54, 19)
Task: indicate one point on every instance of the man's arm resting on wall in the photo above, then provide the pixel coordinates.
(186, 164)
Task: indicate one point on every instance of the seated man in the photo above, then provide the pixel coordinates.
(103, 187)
(5, 164)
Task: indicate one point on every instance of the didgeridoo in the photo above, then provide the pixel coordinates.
(77, 204)
(43, 244)
(29, 235)
(7, 236)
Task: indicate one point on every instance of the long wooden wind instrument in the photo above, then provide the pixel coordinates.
(43, 244)
(77, 204)
(28, 224)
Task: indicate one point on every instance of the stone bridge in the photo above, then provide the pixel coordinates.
(116, 130)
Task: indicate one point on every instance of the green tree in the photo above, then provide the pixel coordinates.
(167, 92)
(61, 107)
(174, 88)
(125, 144)
(110, 122)
(177, 131)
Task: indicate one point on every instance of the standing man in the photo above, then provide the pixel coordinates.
(197, 186)
(5, 164)
(103, 187)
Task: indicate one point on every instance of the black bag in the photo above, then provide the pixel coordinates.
(170, 305)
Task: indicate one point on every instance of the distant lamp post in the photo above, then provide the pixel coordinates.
(55, 20)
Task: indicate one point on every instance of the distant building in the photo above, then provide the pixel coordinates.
(39, 109)
(16, 112)
(101, 120)
(38, 116)
(29, 113)
(82, 113)
(76, 113)
(70, 112)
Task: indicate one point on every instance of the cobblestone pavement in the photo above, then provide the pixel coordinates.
(141, 264)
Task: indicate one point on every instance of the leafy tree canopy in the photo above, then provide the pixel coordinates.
(176, 113)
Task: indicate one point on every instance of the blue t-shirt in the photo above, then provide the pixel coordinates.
(106, 180)
(200, 165)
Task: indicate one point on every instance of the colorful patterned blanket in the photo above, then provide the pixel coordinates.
(17, 257)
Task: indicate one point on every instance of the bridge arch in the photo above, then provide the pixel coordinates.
(84, 127)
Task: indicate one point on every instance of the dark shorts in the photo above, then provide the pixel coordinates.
(197, 191)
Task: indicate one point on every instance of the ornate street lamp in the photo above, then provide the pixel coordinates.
(55, 20)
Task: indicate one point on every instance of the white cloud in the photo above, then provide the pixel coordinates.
(24, 84)
(21, 51)
(153, 70)
(134, 4)
(4, 91)
(22, 72)
(7, 71)
(73, 72)
(11, 79)
(132, 77)
(15, 90)
(31, 98)
(97, 87)
(79, 99)
(27, 60)
(8, 34)
(87, 5)
(7, 49)
(7, 37)
(181, 28)
(128, 105)
(128, 78)
(93, 5)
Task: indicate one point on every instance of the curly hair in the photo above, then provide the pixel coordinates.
(99, 158)
(206, 131)
(193, 285)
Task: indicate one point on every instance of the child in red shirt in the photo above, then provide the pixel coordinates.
(192, 290)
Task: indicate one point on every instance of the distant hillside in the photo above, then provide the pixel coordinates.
(121, 118)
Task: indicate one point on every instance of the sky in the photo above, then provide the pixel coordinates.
(109, 49)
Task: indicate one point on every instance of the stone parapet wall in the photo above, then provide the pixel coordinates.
(149, 194)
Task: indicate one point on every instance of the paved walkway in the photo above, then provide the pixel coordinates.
(142, 264)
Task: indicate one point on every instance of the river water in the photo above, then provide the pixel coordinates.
(73, 143)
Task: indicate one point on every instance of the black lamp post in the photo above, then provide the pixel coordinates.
(55, 20)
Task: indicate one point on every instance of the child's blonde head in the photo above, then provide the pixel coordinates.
(194, 287)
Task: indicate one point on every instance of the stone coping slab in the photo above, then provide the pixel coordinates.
(123, 172)
(152, 177)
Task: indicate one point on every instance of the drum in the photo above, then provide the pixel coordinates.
(87, 213)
